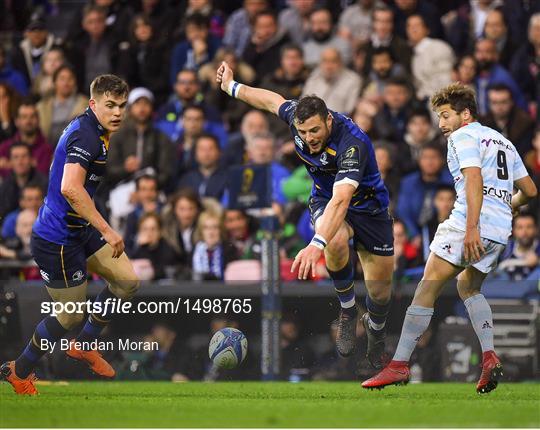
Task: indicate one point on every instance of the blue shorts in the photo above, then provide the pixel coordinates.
(373, 233)
(64, 266)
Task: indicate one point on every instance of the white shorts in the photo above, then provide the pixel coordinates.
(448, 244)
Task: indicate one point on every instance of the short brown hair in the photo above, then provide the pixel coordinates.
(458, 96)
(110, 84)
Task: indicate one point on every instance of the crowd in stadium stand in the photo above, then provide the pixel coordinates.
(377, 61)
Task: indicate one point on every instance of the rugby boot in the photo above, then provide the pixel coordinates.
(346, 333)
(93, 359)
(20, 385)
(396, 373)
(492, 372)
(376, 354)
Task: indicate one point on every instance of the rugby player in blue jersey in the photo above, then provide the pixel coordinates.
(348, 201)
(70, 237)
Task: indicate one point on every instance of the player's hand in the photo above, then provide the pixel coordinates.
(306, 261)
(473, 248)
(116, 242)
(224, 75)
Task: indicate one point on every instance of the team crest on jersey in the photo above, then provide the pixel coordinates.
(298, 142)
(324, 159)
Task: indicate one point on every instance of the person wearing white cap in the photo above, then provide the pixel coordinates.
(138, 144)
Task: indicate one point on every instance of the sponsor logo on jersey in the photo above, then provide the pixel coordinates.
(298, 142)
(78, 275)
(504, 195)
(350, 158)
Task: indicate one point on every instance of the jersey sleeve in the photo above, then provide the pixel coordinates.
(82, 150)
(520, 171)
(351, 163)
(467, 151)
(287, 110)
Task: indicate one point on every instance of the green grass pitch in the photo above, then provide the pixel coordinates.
(255, 404)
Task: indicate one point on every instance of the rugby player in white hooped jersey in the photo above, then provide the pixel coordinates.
(486, 168)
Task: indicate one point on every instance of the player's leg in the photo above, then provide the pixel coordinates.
(122, 284)
(469, 285)
(417, 318)
(378, 270)
(341, 271)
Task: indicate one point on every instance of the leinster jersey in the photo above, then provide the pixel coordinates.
(84, 142)
(475, 145)
(348, 158)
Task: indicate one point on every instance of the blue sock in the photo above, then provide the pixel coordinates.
(344, 285)
(48, 329)
(377, 313)
(96, 322)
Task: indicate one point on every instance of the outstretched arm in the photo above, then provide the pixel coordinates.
(257, 97)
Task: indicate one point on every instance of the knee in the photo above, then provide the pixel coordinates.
(380, 291)
(338, 247)
(465, 291)
(70, 320)
(424, 296)
(124, 290)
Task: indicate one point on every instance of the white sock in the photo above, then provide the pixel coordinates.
(481, 319)
(416, 322)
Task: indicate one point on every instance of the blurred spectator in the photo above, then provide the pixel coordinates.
(150, 245)
(262, 51)
(9, 102)
(337, 85)
(254, 122)
(443, 202)
(525, 66)
(184, 133)
(322, 37)
(391, 121)
(261, 150)
(383, 67)
(27, 55)
(179, 222)
(490, 72)
(406, 252)
(297, 357)
(241, 232)
(383, 36)
(522, 254)
(95, 51)
(18, 248)
(43, 85)
(364, 116)
(466, 24)
(432, 59)
(532, 158)
(288, 81)
(215, 19)
(10, 76)
(198, 48)
(138, 144)
(118, 15)
(22, 174)
(57, 111)
(496, 29)
(355, 21)
(208, 179)
(193, 123)
(28, 132)
(142, 59)
(295, 19)
(504, 116)
(465, 70)
(416, 209)
(385, 156)
(420, 132)
(232, 109)
(211, 254)
(404, 9)
(186, 92)
(238, 29)
(164, 18)
(146, 201)
(31, 198)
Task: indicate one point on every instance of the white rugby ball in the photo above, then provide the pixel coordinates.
(228, 348)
